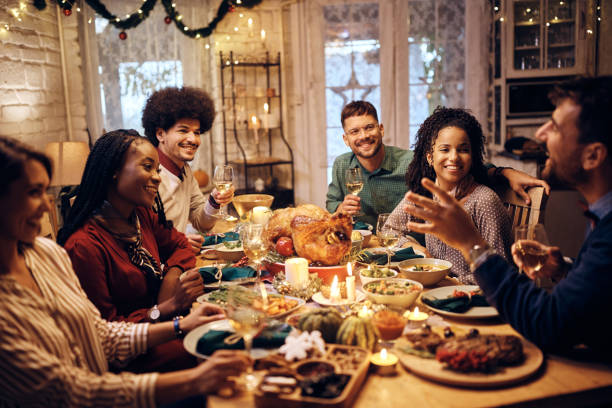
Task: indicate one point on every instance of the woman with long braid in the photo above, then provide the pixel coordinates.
(55, 349)
(449, 150)
(129, 261)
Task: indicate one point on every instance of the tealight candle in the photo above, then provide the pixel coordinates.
(296, 272)
(365, 313)
(334, 291)
(416, 318)
(350, 284)
(260, 215)
(384, 363)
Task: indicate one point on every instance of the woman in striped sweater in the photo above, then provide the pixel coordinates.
(55, 349)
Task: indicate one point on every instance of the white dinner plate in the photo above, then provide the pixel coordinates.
(204, 298)
(478, 312)
(190, 342)
(323, 301)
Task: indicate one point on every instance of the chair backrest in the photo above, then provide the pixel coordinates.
(521, 213)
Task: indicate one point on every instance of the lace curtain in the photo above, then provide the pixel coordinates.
(123, 73)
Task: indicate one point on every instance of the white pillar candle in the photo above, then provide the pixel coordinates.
(261, 215)
(350, 284)
(334, 291)
(296, 272)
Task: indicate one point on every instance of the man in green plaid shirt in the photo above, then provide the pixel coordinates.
(384, 168)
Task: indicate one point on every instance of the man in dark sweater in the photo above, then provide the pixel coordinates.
(577, 311)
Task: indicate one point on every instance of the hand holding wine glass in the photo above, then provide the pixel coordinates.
(533, 255)
(388, 237)
(354, 185)
(223, 179)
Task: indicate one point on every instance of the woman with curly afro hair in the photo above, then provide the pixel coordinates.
(449, 150)
(173, 120)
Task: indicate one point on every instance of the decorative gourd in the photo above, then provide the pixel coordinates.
(326, 320)
(357, 331)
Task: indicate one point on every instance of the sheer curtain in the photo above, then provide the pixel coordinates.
(430, 52)
(121, 74)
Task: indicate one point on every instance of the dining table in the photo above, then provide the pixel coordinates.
(560, 381)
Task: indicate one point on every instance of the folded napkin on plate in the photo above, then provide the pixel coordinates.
(460, 304)
(218, 238)
(229, 274)
(271, 337)
(401, 255)
(360, 225)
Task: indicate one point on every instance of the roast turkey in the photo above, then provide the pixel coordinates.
(317, 235)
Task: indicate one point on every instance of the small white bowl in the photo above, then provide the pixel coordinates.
(366, 235)
(366, 279)
(403, 300)
(427, 278)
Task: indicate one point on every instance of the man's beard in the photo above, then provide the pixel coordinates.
(374, 153)
(568, 179)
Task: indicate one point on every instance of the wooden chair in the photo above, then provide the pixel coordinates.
(521, 213)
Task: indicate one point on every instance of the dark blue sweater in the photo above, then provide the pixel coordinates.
(577, 311)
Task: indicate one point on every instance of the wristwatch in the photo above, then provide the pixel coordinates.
(154, 314)
(478, 254)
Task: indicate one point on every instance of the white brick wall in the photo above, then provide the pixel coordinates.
(31, 93)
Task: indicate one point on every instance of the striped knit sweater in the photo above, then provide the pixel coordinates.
(55, 350)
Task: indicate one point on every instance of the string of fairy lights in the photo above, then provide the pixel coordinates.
(133, 19)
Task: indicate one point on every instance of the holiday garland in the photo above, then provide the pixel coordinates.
(143, 12)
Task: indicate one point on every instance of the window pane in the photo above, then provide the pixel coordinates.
(352, 65)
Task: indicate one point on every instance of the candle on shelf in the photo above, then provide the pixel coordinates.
(255, 127)
(350, 283)
(384, 362)
(334, 291)
(266, 116)
(263, 35)
(296, 272)
(264, 294)
(416, 318)
(260, 215)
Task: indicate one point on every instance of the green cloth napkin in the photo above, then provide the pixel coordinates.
(401, 255)
(360, 225)
(218, 238)
(459, 304)
(272, 337)
(229, 274)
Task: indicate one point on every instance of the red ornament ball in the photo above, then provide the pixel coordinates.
(122, 35)
(167, 20)
(67, 12)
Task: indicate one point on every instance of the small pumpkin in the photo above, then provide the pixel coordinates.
(325, 320)
(357, 331)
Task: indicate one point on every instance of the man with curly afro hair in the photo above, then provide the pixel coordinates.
(173, 120)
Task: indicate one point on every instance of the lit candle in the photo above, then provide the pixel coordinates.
(296, 272)
(255, 127)
(263, 35)
(334, 291)
(260, 215)
(416, 318)
(364, 313)
(266, 116)
(264, 294)
(350, 284)
(384, 362)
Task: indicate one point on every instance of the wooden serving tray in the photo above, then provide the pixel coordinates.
(335, 354)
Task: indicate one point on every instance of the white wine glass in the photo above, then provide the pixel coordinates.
(354, 182)
(254, 245)
(247, 322)
(223, 179)
(388, 237)
(533, 257)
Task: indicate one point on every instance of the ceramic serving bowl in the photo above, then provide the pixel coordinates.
(428, 271)
(366, 235)
(393, 292)
(363, 275)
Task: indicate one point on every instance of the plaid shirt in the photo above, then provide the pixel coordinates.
(383, 188)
